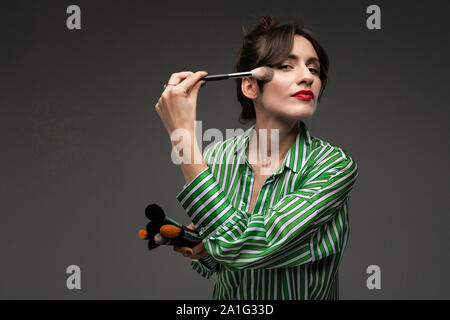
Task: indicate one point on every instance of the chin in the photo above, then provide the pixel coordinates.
(302, 117)
(302, 113)
(296, 116)
(294, 111)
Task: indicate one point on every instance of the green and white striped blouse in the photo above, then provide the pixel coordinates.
(291, 246)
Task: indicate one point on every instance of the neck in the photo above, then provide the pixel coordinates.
(269, 149)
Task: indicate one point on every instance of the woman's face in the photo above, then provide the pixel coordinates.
(298, 72)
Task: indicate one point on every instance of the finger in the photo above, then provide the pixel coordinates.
(197, 87)
(176, 78)
(182, 250)
(191, 226)
(199, 248)
(199, 252)
(187, 252)
(191, 80)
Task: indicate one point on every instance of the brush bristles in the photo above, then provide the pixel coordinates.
(263, 73)
(170, 231)
(159, 239)
(143, 234)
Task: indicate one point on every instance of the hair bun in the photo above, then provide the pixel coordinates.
(266, 23)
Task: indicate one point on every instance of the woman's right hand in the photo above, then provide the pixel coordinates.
(177, 105)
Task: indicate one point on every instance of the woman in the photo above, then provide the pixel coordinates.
(274, 231)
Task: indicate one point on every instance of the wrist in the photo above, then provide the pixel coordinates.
(185, 136)
(187, 153)
(184, 145)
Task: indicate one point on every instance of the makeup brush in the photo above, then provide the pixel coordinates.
(261, 73)
(170, 231)
(160, 239)
(179, 235)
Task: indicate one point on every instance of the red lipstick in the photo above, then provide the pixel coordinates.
(304, 94)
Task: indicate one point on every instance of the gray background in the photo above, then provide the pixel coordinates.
(83, 151)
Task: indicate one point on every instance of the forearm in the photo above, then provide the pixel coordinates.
(192, 162)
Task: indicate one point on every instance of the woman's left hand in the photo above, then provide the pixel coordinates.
(196, 252)
(177, 105)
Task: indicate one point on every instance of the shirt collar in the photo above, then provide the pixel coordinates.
(293, 159)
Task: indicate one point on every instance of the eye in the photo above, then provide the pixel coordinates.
(284, 66)
(314, 70)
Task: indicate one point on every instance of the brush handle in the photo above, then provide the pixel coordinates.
(191, 235)
(215, 77)
(169, 220)
(182, 243)
(224, 76)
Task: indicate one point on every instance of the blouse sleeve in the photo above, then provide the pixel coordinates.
(281, 235)
(205, 266)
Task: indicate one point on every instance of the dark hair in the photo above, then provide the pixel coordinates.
(268, 44)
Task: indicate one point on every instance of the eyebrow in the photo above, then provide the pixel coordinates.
(310, 59)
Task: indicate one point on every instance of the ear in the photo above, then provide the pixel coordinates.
(249, 88)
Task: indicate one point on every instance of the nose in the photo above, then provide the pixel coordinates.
(305, 76)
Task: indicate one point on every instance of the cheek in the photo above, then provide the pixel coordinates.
(278, 87)
(318, 85)
(275, 93)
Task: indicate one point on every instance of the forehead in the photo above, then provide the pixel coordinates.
(303, 48)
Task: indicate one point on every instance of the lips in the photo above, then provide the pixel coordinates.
(304, 94)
